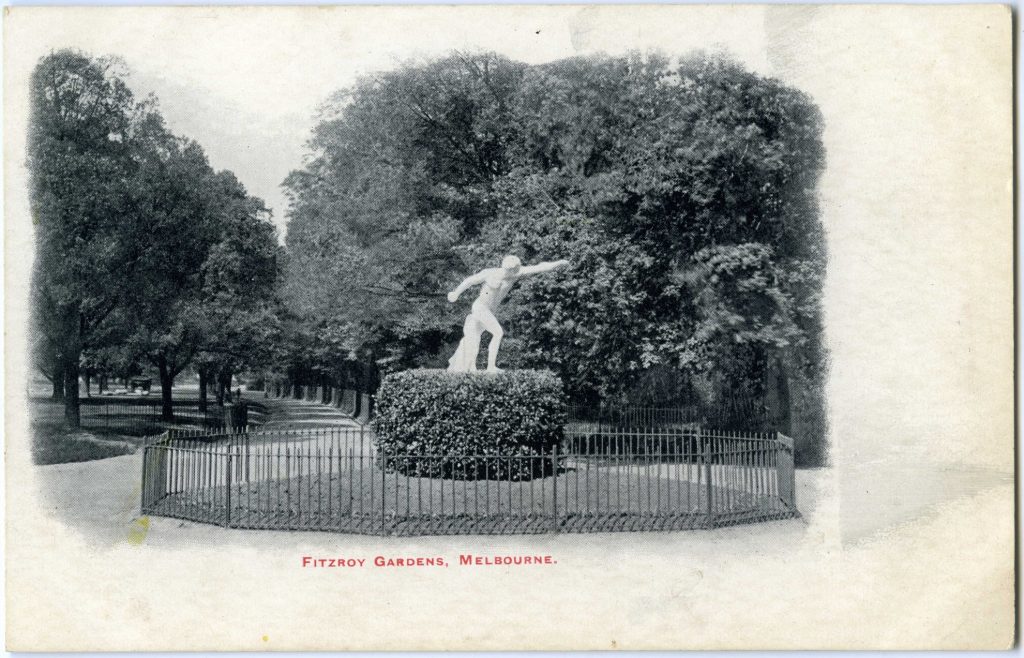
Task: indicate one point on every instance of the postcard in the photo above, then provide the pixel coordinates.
(502, 327)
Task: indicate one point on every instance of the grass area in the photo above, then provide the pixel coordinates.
(54, 443)
(108, 430)
(362, 499)
(618, 490)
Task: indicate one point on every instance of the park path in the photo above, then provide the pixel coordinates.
(303, 414)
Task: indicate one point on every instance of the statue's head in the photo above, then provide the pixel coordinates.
(511, 264)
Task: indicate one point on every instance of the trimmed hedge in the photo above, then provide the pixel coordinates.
(435, 423)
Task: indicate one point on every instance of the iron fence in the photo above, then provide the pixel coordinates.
(595, 481)
(140, 417)
(739, 413)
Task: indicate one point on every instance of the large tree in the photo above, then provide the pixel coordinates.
(209, 287)
(402, 168)
(237, 308)
(658, 179)
(85, 135)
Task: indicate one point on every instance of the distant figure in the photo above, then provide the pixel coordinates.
(496, 283)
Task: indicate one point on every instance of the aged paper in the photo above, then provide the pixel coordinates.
(906, 539)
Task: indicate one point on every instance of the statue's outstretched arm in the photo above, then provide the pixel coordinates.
(468, 282)
(543, 267)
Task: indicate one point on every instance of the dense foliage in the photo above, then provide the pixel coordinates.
(425, 414)
(682, 192)
(145, 256)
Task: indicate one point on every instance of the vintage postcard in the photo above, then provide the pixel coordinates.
(509, 327)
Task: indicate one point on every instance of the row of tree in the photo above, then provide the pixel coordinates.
(682, 191)
(145, 256)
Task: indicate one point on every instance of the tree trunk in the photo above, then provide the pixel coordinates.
(101, 382)
(166, 390)
(204, 383)
(72, 412)
(88, 393)
(224, 385)
(777, 389)
(58, 383)
(368, 374)
(358, 375)
(344, 375)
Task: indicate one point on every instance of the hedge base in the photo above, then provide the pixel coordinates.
(469, 425)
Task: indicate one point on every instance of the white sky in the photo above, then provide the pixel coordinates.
(247, 89)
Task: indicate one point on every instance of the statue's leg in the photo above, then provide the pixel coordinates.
(470, 343)
(457, 362)
(490, 324)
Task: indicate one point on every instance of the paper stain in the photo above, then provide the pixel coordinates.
(138, 531)
(266, 638)
(582, 27)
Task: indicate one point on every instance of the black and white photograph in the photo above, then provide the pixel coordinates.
(578, 327)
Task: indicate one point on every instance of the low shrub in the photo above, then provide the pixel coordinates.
(435, 423)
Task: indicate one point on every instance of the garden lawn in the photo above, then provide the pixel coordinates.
(369, 500)
(56, 444)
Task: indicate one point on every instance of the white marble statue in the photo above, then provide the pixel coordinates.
(495, 282)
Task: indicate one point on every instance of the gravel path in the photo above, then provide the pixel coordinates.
(304, 414)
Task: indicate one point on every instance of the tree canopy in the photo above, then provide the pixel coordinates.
(682, 191)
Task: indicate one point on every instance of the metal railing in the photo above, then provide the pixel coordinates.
(734, 414)
(140, 417)
(596, 481)
(136, 416)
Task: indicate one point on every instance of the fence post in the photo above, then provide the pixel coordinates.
(792, 474)
(554, 487)
(706, 449)
(786, 473)
(145, 479)
(227, 491)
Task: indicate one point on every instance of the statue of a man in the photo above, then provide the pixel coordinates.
(495, 283)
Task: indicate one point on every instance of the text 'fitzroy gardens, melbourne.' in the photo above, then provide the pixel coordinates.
(415, 561)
